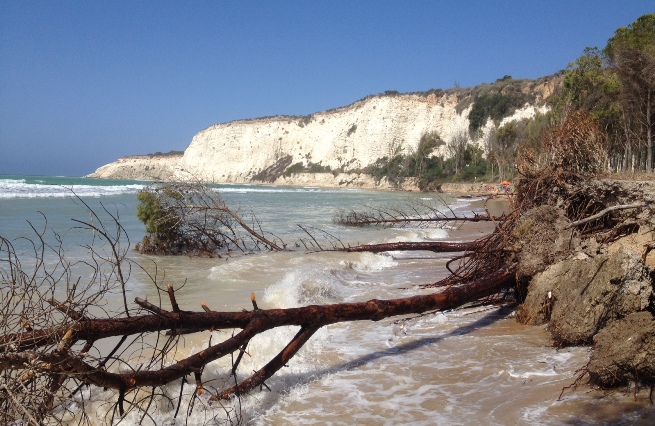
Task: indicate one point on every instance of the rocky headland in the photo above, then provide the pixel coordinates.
(140, 167)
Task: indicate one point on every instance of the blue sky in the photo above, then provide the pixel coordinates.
(85, 82)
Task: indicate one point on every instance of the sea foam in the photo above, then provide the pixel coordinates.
(12, 188)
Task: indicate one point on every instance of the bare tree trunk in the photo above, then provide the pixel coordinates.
(435, 246)
(627, 160)
(649, 133)
(62, 362)
(501, 171)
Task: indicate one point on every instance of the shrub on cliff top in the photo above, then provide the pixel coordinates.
(495, 106)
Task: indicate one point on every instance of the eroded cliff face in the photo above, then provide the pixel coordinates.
(345, 139)
(348, 138)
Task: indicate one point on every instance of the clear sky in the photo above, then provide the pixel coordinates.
(85, 82)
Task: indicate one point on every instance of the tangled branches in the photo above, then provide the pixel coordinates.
(54, 326)
(577, 145)
(478, 260)
(190, 218)
(420, 215)
(33, 280)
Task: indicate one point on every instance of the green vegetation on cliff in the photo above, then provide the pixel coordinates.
(166, 154)
(610, 92)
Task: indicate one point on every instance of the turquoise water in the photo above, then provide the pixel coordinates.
(279, 209)
(464, 367)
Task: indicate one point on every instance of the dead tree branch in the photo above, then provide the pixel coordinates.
(434, 246)
(50, 340)
(416, 215)
(251, 323)
(605, 212)
(363, 219)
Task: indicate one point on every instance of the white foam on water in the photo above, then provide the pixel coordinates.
(371, 384)
(321, 279)
(10, 188)
(368, 262)
(235, 266)
(431, 372)
(302, 287)
(462, 367)
(413, 234)
(548, 372)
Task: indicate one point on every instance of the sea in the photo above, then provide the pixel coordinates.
(472, 366)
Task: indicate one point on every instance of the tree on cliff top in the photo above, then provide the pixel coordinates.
(631, 51)
(617, 86)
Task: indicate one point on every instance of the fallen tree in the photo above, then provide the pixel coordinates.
(51, 339)
(49, 343)
(434, 246)
(191, 218)
(63, 338)
(415, 215)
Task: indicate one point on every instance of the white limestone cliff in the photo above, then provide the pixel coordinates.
(351, 137)
(347, 138)
(140, 167)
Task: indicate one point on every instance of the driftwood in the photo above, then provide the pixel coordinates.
(416, 215)
(362, 220)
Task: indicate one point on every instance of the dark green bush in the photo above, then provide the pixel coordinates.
(495, 106)
(151, 212)
(310, 168)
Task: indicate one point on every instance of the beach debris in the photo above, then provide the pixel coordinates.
(601, 285)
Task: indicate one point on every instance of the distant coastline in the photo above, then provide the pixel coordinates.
(351, 181)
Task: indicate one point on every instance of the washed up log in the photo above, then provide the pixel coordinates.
(434, 246)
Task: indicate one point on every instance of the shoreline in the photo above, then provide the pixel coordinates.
(344, 181)
(510, 333)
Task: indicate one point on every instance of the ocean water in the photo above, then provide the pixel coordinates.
(468, 367)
